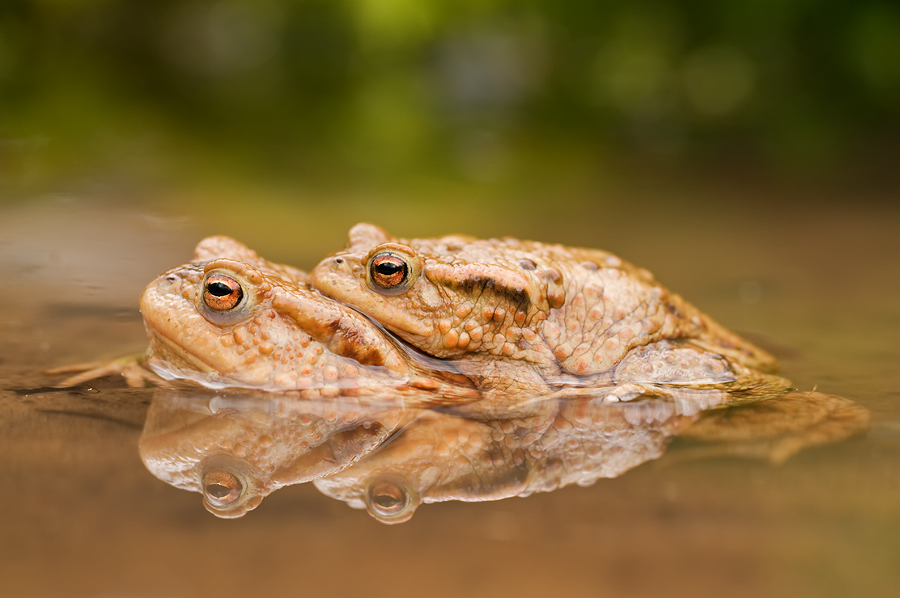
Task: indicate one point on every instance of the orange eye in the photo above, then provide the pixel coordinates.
(221, 488)
(388, 271)
(392, 269)
(222, 293)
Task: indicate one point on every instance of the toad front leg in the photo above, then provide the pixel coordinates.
(132, 367)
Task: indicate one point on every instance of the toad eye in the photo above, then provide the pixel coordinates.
(221, 488)
(388, 271)
(392, 269)
(222, 293)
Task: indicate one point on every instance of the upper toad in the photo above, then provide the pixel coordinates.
(530, 315)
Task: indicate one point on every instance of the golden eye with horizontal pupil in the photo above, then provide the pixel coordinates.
(388, 271)
(221, 488)
(221, 292)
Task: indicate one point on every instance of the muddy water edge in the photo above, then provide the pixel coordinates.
(81, 516)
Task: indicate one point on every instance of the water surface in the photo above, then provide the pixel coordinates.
(82, 516)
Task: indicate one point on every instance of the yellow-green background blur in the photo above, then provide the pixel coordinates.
(437, 99)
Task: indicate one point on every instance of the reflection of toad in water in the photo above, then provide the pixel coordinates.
(235, 449)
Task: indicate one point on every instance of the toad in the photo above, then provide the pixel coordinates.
(522, 316)
(233, 319)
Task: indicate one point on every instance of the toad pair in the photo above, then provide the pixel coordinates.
(493, 319)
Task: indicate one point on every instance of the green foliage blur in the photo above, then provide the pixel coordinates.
(479, 90)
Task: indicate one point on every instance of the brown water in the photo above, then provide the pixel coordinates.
(81, 516)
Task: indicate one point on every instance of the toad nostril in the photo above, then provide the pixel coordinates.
(338, 260)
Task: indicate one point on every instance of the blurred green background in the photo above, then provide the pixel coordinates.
(442, 98)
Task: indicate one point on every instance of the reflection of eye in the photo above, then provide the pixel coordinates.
(388, 271)
(387, 499)
(221, 292)
(391, 500)
(221, 488)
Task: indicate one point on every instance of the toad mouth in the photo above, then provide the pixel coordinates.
(177, 353)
